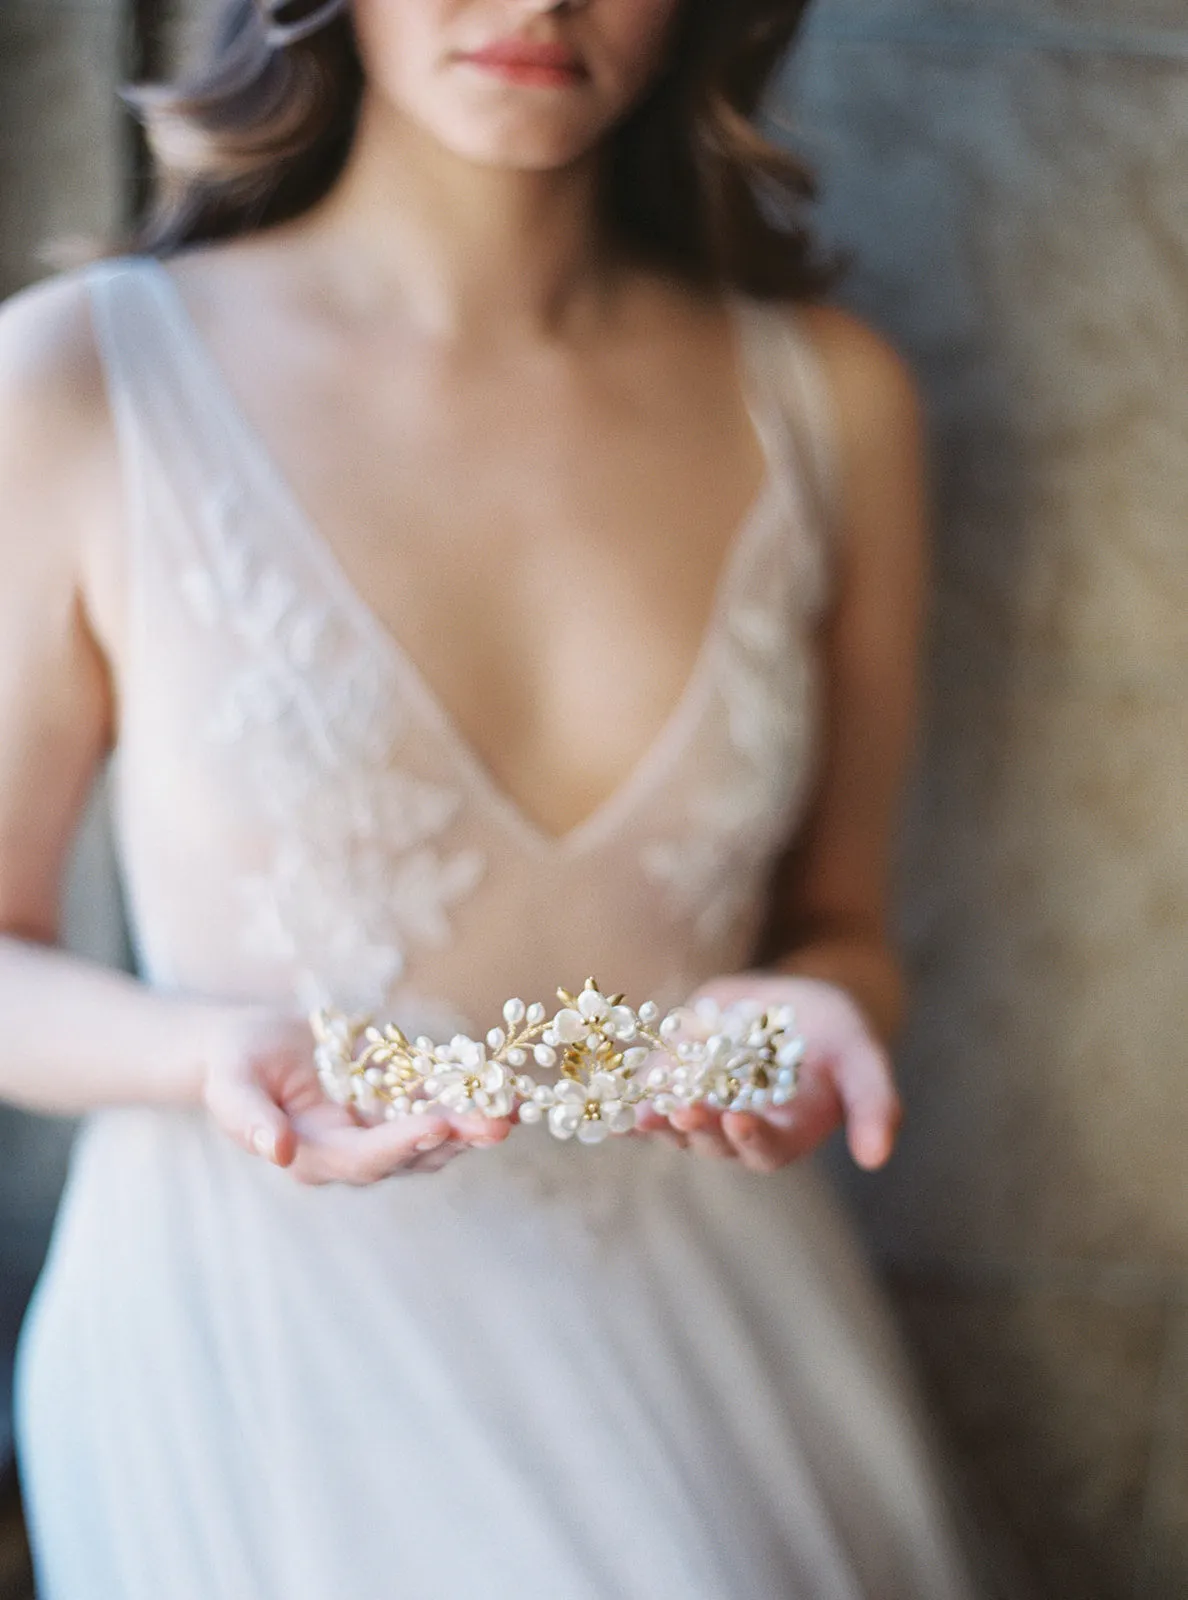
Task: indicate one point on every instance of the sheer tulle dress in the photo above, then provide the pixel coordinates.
(618, 1373)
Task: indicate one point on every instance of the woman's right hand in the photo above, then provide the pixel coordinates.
(261, 1088)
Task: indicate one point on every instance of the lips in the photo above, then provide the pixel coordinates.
(522, 61)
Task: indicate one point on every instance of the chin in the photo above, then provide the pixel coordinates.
(522, 155)
(524, 142)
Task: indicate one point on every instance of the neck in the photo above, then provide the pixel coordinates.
(462, 246)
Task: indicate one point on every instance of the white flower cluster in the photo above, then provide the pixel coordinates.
(606, 1060)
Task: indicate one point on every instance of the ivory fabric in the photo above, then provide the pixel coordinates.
(611, 1374)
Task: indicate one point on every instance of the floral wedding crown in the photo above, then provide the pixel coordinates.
(607, 1059)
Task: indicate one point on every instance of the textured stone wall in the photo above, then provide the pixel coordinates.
(1011, 177)
(1013, 182)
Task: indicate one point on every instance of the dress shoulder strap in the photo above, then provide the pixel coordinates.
(811, 415)
(798, 418)
(165, 416)
(800, 385)
(197, 490)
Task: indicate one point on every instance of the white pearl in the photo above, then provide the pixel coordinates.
(516, 1057)
(513, 1012)
(496, 1039)
(530, 1113)
(545, 1055)
(536, 1014)
(648, 1013)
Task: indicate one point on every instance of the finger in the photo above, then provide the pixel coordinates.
(365, 1155)
(649, 1120)
(704, 1129)
(252, 1118)
(654, 1124)
(436, 1159)
(757, 1145)
(873, 1110)
(672, 1136)
(477, 1129)
(796, 1129)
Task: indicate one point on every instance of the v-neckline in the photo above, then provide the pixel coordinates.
(659, 753)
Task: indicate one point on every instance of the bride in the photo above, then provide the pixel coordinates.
(489, 562)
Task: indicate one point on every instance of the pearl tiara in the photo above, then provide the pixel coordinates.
(606, 1059)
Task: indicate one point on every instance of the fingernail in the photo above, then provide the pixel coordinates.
(873, 1150)
(433, 1141)
(264, 1142)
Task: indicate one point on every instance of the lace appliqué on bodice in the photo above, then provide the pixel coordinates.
(297, 815)
(354, 876)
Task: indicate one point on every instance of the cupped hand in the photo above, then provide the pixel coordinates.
(846, 1078)
(261, 1088)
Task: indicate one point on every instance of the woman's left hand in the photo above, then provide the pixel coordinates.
(846, 1078)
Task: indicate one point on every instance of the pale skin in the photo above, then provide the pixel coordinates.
(463, 383)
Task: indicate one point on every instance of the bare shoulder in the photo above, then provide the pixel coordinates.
(880, 431)
(51, 379)
(872, 382)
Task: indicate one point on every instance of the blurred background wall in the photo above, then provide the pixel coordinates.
(63, 157)
(1011, 177)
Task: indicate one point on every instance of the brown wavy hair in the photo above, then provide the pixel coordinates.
(254, 133)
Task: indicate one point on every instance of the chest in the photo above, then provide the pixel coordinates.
(544, 535)
(626, 741)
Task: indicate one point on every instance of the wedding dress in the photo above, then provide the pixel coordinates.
(619, 1373)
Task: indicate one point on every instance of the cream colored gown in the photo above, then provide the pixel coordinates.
(620, 1373)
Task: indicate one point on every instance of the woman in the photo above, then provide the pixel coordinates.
(485, 558)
